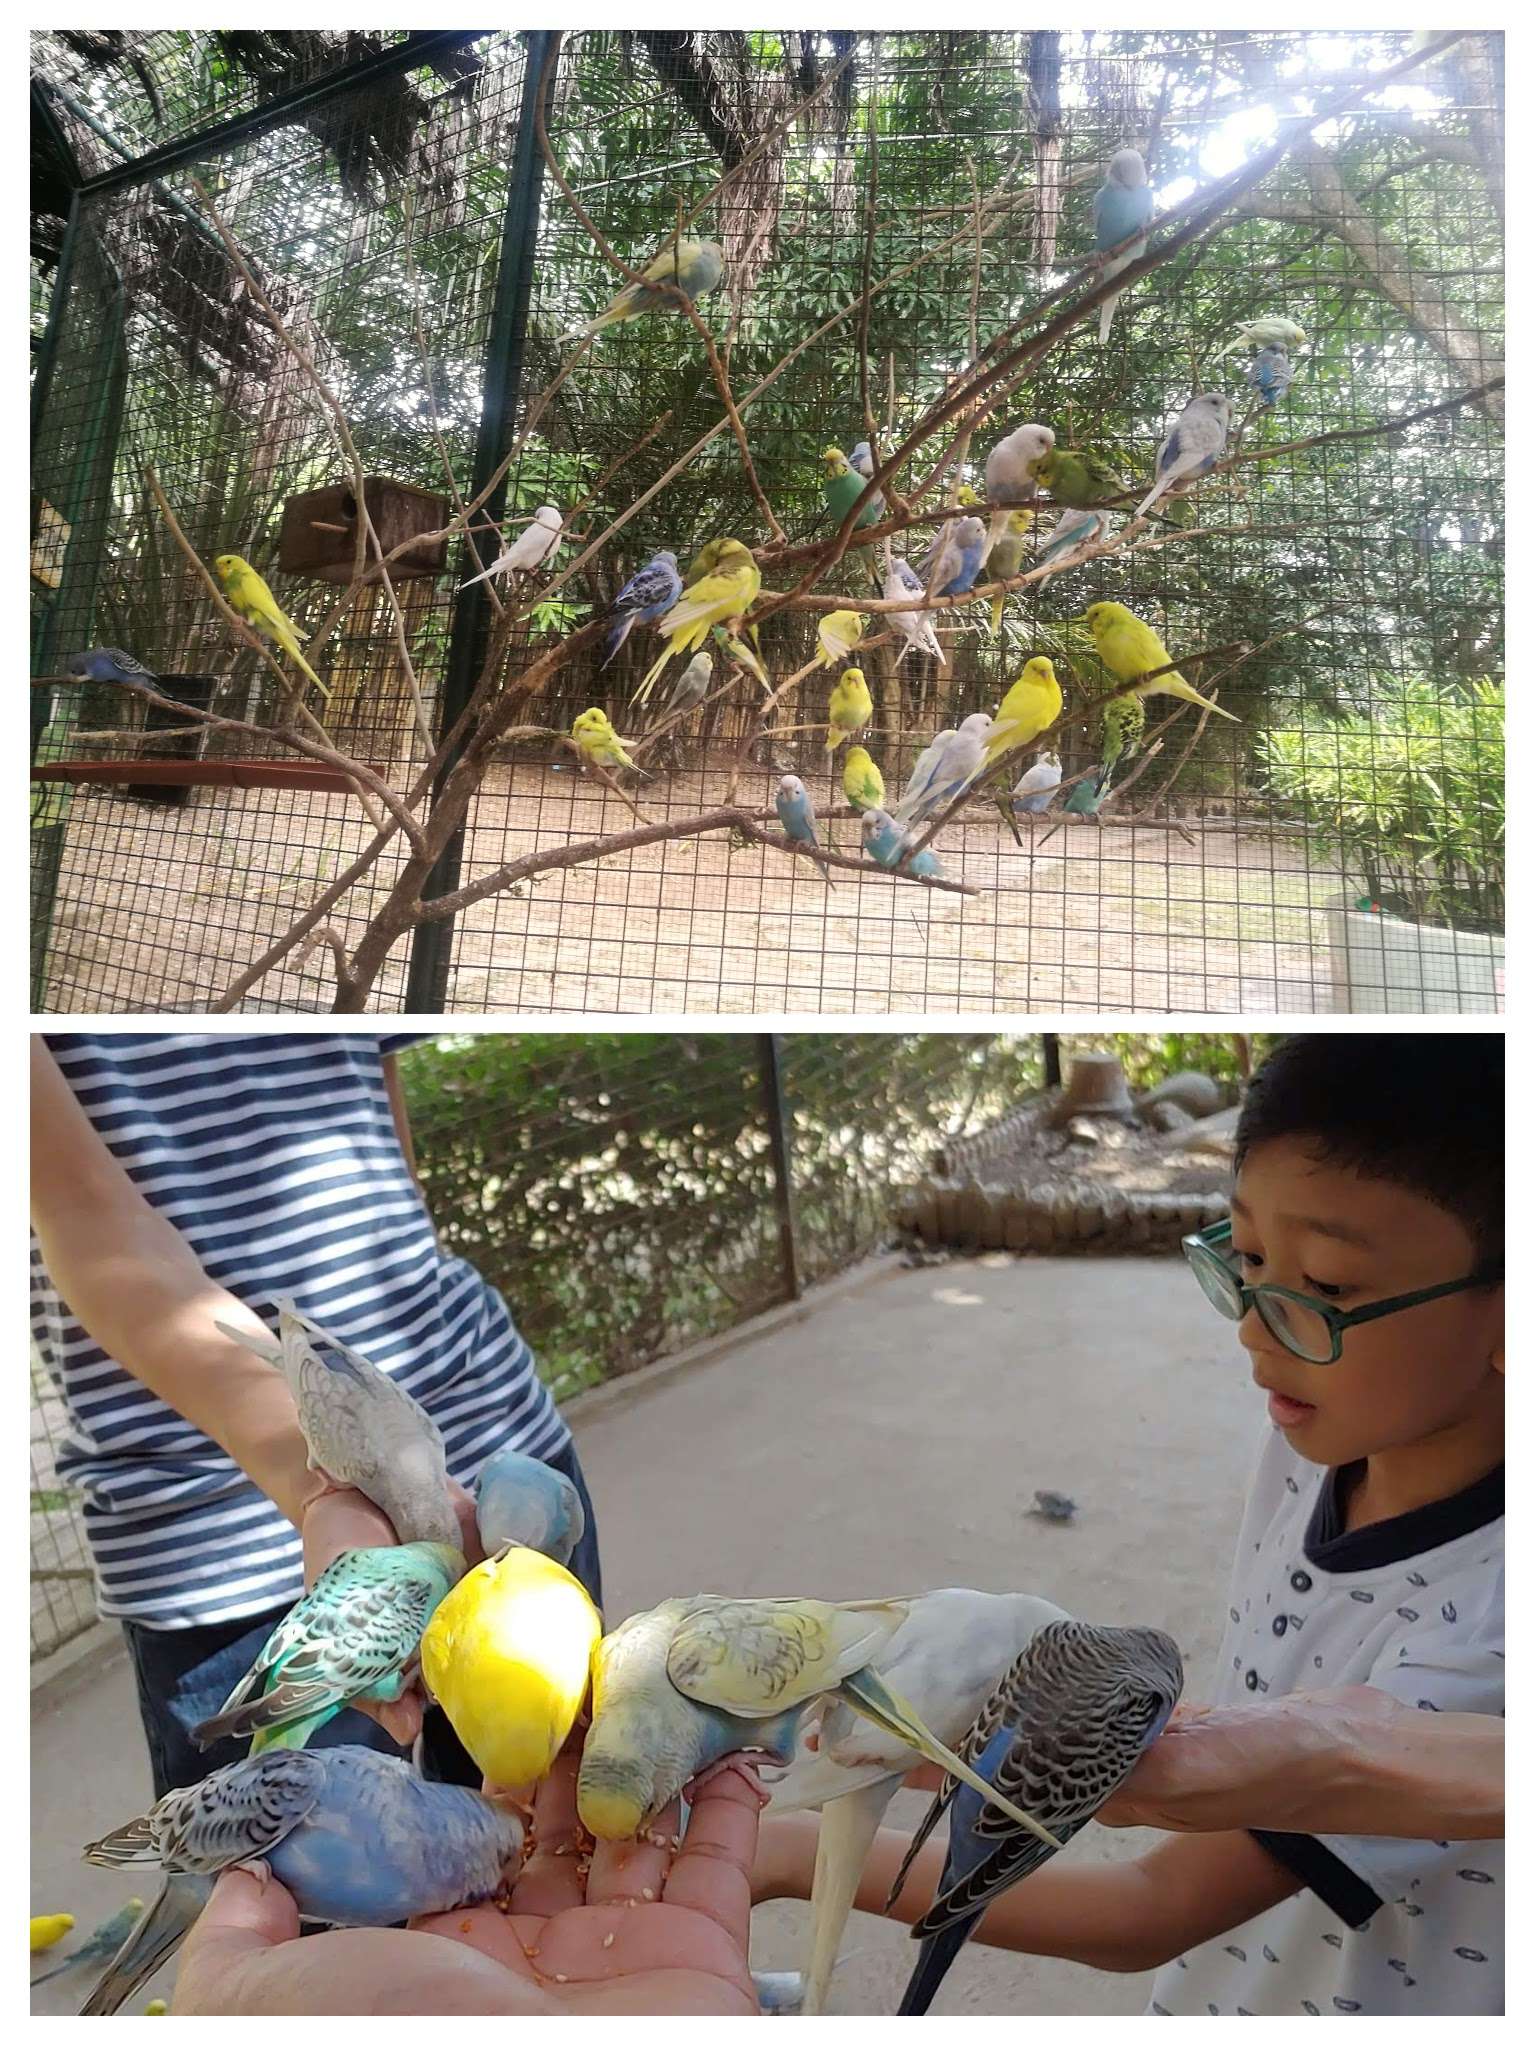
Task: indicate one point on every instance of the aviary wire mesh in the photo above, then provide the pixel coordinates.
(1340, 847)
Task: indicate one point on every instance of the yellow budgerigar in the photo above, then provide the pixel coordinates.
(837, 635)
(599, 742)
(1030, 707)
(49, 1930)
(1128, 647)
(247, 594)
(508, 1656)
(725, 593)
(862, 782)
(850, 708)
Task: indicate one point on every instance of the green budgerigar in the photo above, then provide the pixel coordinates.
(1079, 479)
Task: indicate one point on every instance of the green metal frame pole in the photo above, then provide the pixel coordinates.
(771, 1053)
(426, 983)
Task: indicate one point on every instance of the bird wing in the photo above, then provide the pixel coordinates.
(755, 1657)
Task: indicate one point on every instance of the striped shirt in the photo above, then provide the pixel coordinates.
(277, 1158)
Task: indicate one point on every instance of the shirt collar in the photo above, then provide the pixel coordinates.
(1331, 1547)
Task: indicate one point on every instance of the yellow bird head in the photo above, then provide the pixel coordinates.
(1041, 669)
(1102, 618)
(1019, 522)
(835, 461)
(227, 565)
(966, 495)
(732, 557)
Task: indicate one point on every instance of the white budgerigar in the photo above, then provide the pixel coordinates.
(1195, 445)
(916, 627)
(947, 766)
(1009, 478)
(531, 547)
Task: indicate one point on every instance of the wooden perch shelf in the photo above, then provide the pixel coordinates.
(201, 774)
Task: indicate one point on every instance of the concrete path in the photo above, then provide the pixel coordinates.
(889, 1441)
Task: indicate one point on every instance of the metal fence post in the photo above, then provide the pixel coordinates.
(771, 1053)
(426, 985)
(1051, 1045)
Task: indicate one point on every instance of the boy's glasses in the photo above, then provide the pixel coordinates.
(1308, 1328)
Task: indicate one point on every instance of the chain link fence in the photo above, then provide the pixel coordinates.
(1339, 586)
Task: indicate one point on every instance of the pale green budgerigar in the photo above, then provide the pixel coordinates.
(1271, 331)
(364, 1430)
(693, 266)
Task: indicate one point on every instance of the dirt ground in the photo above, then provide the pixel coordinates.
(159, 907)
(889, 1440)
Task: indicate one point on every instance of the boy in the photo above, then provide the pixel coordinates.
(1370, 1192)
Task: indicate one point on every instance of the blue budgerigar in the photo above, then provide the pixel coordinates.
(1074, 530)
(1061, 1732)
(943, 769)
(109, 664)
(522, 1501)
(885, 842)
(1270, 373)
(1195, 445)
(1034, 790)
(354, 1635)
(796, 813)
(356, 1837)
(1121, 206)
(953, 562)
(645, 597)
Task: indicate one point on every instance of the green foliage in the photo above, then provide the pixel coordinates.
(1411, 795)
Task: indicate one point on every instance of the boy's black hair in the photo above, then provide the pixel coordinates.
(1422, 1110)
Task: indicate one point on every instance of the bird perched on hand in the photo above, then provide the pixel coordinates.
(600, 744)
(944, 1660)
(1074, 531)
(1079, 478)
(1273, 329)
(1121, 206)
(953, 562)
(523, 1502)
(248, 596)
(356, 1837)
(1063, 1729)
(1005, 557)
(1128, 648)
(693, 683)
(694, 267)
(1195, 445)
(837, 635)
(363, 1429)
(109, 664)
(796, 813)
(648, 593)
(354, 1635)
(1270, 373)
(720, 596)
(916, 627)
(1010, 476)
(862, 782)
(533, 545)
(1030, 707)
(885, 843)
(507, 1655)
(850, 708)
(846, 479)
(944, 769)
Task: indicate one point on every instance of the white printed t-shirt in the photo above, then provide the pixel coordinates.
(1414, 1607)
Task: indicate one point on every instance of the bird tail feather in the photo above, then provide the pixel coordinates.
(1106, 318)
(616, 637)
(847, 1830)
(154, 1938)
(936, 1957)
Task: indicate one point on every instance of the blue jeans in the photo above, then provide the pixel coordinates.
(184, 1674)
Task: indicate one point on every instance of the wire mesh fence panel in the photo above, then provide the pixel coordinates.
(897, 210)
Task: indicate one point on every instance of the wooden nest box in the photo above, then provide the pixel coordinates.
(319, 531)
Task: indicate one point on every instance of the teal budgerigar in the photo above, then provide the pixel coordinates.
(101, 1946)
(520, 1500)
(1121, 207)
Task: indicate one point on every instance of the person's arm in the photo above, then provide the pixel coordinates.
(394, 1087)
(1118, 1916)
(135, 1285)
(1353, 1760)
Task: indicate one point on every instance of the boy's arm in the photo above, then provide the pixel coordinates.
(1121, 1916)
(135, 1285)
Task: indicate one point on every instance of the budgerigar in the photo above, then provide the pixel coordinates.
(1085, 797)
(1010, 472)
(916, 627)
(248, 596)
(944, 768)
(1080, 479)
(1273, 329)
(356, 1837)
(109, 664)
(846, 479)
(647, 594)
(1074, 530)
(944, 1660)
(695, 267)
(1030, 707)
(1195, 445)
(1061, 1732)
(796, 813)
(100, 1947)
(600, 744)
(837, 635)
(849, 709)
(1123, 725)
(862, 782)
(354, 1635)
(953, 562)
(48, 1929)
(724, 593)
(1270, 373)
(1034, 790)
(1121, 206)
(1005, 558)
(529, 550)
(885, 842)
(363, 1428)
(693, 683)
(507, 1655)
(519, 1499)
(1128, 647)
